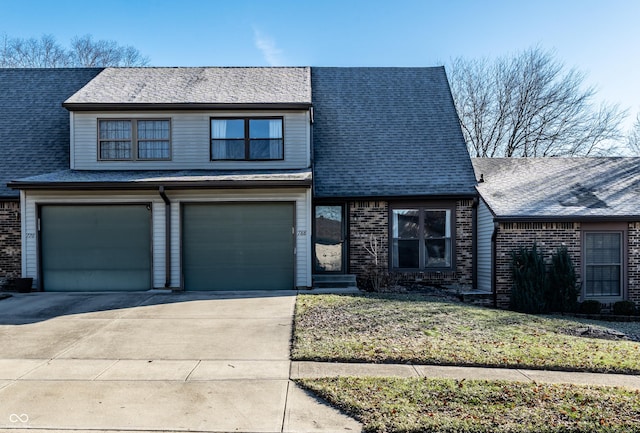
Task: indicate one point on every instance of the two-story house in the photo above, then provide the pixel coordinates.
(179, 177)
(252, 178)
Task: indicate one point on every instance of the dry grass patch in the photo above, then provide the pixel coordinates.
(443, 405)
(428, 330)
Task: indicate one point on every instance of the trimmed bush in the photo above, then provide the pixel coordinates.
(529, 281)
(562, 290)
(624, 308)
(590, 307)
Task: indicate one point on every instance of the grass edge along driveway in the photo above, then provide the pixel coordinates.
(419, 329)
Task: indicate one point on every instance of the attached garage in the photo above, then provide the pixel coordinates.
(95, 247)
(238, 246)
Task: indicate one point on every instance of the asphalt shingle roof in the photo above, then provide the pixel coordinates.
(211, 85)
(34, 127)
(560, 187)
(387, 132)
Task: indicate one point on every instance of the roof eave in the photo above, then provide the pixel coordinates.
(76, 106)
(566, 218)
(452, 196)
(220, 184)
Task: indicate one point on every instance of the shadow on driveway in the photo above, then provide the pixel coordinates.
(26, 308)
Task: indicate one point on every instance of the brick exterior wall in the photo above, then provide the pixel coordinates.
(464, 247)
(547, 236)
(633, 267)
(368, 226)
(10, 244)
(369, 222)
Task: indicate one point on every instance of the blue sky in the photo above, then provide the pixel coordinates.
(600, 38)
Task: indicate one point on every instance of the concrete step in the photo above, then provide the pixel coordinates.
(477, 298)
(334, 281)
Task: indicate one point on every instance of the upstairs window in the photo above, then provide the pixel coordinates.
(131, 139)
(241, 139)
(421, 239)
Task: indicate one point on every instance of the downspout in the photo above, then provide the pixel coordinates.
(167, 236)
(474, 242)
(494, 250)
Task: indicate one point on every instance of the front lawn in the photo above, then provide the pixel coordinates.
(428, 330)
(448, 406)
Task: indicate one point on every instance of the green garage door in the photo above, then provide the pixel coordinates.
(96, 248)
(238, 246)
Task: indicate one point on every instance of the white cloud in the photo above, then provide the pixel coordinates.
(271, 53)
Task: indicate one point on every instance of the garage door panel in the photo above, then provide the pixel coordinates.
(238, 246)
(90, 248)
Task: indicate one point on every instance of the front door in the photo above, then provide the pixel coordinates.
(329, 239)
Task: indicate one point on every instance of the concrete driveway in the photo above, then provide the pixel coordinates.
(150, 361)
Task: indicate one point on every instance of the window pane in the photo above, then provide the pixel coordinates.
(227, 128)
(437, 252)
(603, 281)
(406, 253)
(227, 149)
(406, 223)
(328, 235)
(265, 128)
(115, 129)
(603, 247)
(265, 149)
(436, 224)
(115, 150)
(153, 149)
(153, 129)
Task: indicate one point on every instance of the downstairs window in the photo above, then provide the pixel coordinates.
(421, 238)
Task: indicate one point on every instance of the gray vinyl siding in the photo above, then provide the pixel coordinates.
(190, 142)
(485, 230)
(301, 198)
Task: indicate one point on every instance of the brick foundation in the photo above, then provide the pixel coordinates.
(10, 244)
(369, 229)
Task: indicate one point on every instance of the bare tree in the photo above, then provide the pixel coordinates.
(84, 52)
(87, 52)
(633, 139)
(528, 105)
(33, 53)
